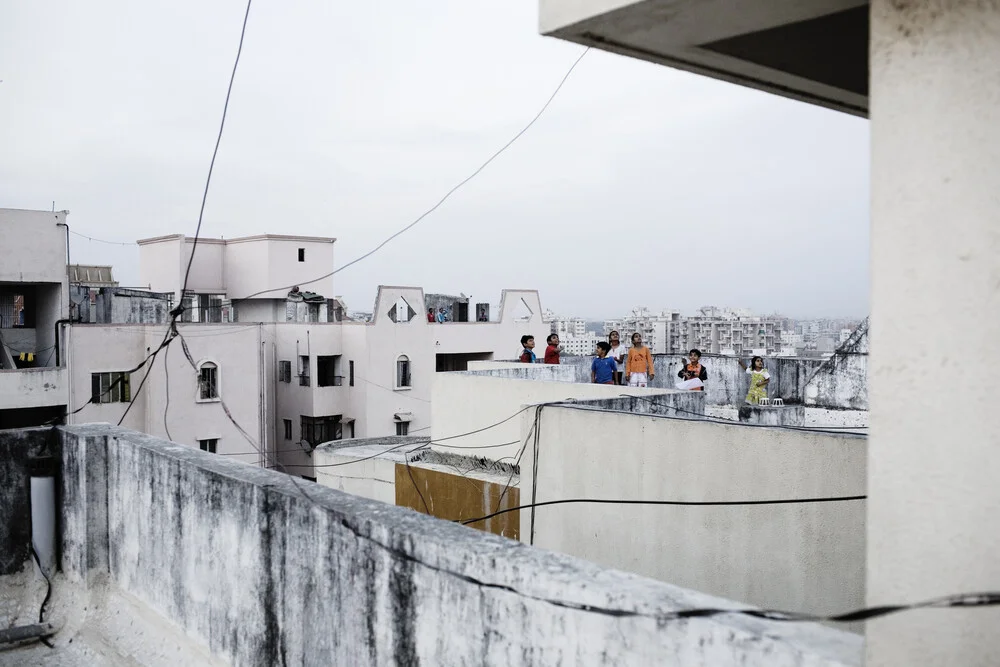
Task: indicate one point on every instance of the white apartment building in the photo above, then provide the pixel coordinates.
(573, 334)
(290, 368)
(34, 307)
(726, 331)
(263, 372)
(658, 330)
(715, 330)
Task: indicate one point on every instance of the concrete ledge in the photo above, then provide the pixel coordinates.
(267, 569)
(773, 415)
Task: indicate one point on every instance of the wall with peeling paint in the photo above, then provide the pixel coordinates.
(268, 570)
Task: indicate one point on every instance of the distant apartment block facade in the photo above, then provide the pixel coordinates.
(714, 330)
(573, 334)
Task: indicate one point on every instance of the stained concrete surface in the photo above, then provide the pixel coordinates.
(171, 554)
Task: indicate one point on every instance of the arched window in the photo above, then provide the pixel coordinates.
(402, 372)
(208, 381)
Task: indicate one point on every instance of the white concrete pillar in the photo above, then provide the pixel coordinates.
(934, 467)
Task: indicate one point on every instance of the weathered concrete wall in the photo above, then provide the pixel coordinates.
(809, 557)
(116, 305)
(17, 448)
(33, 387)
(839, 383)
(520, 371)
(267, 570)
(464, 402)
(770, 415)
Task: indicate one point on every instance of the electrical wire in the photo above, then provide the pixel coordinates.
(215, 153)
(964, 600)
(166, 385)
(172, 332)
(359, 460)
(114, 384)
(225, 408)
(48, 595)
(409, 471)
(682, 503)
(441, 201)
(90, 238)
(424, 443)
(961, 600)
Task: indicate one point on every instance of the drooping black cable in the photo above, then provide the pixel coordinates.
(409, 471)
(682, 503)
(166, 388)
(215, 153)
(441, 201)
(48, 594)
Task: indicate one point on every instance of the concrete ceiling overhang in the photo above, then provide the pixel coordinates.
(815, 51)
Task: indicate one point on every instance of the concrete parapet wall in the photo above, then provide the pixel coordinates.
(808, 556)
(469, 401)
(840, 382)
(267, 570)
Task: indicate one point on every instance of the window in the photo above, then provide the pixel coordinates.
(110, 388)
(209, 445)
(302, 254)
(288, 429)
(326, 371)
(317, 430)
(402, 372)
(401, 311)
(284, 371)
(303, 371)
(402, 428)
(208, 382)
(350, 373)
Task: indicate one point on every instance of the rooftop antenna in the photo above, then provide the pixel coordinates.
(53, 205)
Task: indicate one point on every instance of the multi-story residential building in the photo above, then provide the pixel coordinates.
(573, 334)
(272, 349)
(717, 330)
(267, 365)
(724, 331)
(34, 307)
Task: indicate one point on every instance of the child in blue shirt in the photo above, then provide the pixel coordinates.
(603, 368)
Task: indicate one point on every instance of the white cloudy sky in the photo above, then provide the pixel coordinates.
(640, 184)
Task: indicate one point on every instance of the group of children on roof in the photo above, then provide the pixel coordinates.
(616, 364)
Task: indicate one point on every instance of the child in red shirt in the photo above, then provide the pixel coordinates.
(552, 350)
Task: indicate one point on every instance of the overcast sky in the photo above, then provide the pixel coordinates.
(641, 185)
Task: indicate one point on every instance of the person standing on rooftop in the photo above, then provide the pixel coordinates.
(552, 350)
(639, 366)
(528, 349)
(603, 368)
(759, 379)
(617, 351)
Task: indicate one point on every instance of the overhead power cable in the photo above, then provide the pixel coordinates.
(438, 204)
